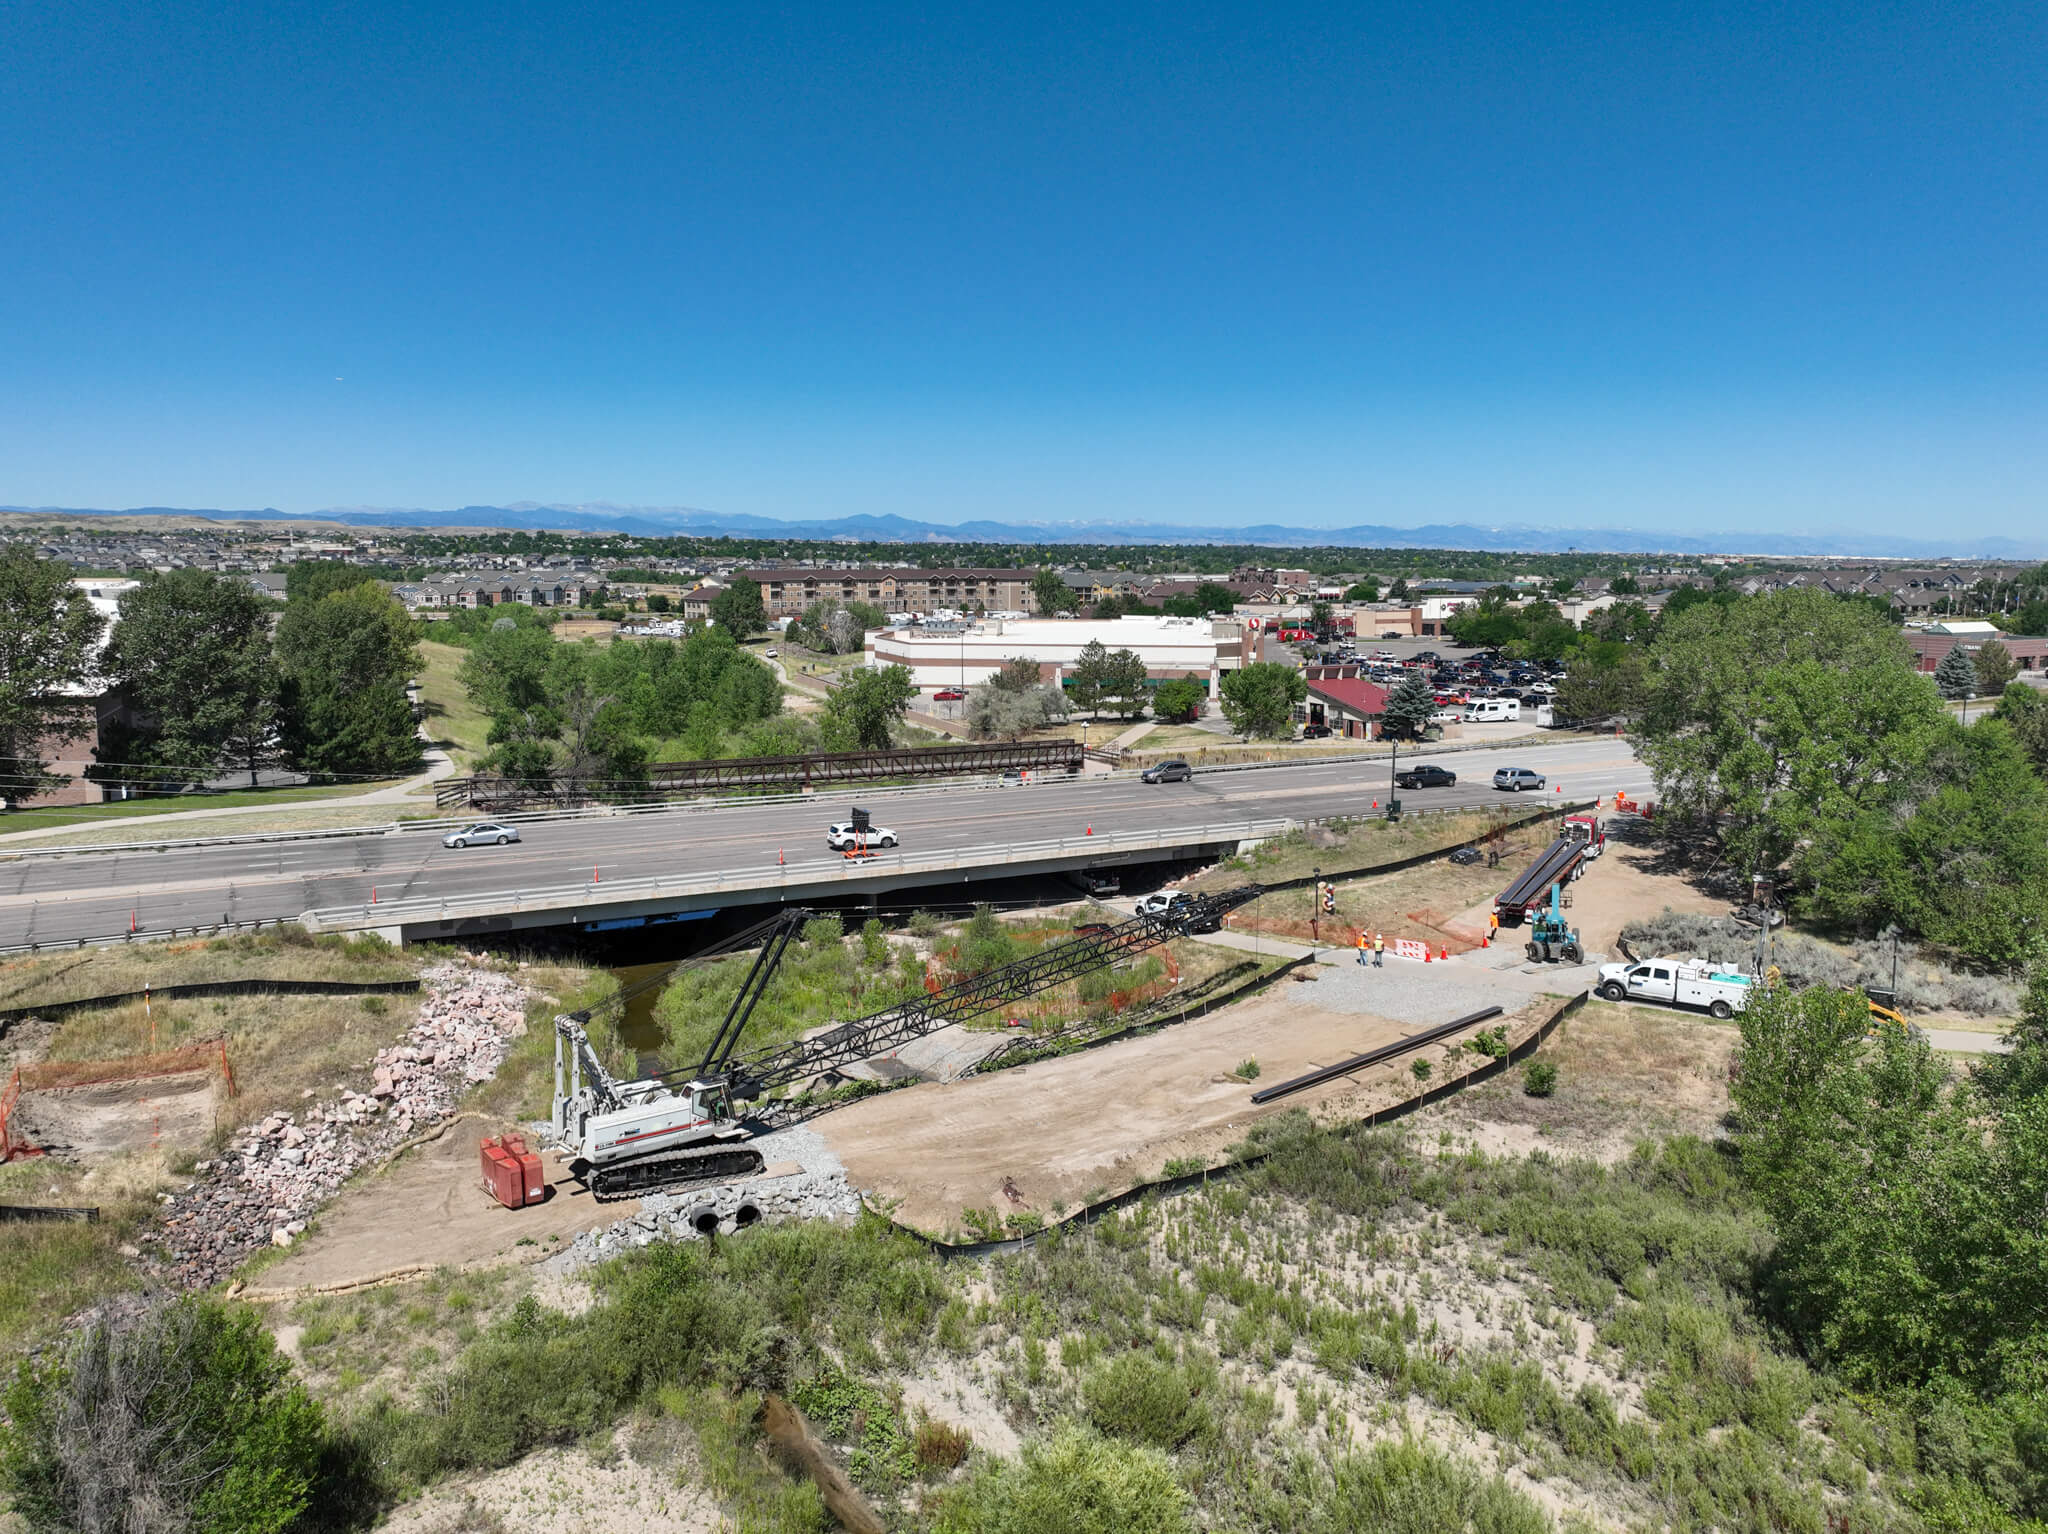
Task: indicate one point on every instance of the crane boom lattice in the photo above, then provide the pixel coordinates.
(973, 995)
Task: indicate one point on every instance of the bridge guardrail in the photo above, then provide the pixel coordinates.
(398, 913)
(442, 824)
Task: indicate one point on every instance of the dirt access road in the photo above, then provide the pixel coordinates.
(1062, 1131)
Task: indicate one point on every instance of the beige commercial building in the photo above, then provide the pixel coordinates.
(959, 655)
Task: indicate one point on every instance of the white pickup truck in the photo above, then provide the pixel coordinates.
(1676, 982)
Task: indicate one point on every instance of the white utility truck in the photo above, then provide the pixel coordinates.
(1677, 982)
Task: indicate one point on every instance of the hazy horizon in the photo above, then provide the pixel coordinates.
(1658, 269)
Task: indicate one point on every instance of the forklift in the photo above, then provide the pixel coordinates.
(1551, 938)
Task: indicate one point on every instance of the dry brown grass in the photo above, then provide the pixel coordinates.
(46, 978)
(1625, 1074)
(1416, 902)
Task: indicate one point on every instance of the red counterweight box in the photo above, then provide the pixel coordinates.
(504, 1178)
(529, 1168)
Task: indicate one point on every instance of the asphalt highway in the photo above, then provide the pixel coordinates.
(61, 898)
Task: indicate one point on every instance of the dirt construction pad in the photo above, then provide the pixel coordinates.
(149, 1112)
(1061, 1132)
(428, 1209)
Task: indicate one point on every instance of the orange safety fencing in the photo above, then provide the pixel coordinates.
(10, 1144)
(201, 1056)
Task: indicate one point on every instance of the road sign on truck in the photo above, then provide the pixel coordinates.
(1678, 983)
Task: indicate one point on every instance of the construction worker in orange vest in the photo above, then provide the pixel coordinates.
(1361, 947)
(1379, 946)
(1492, 927)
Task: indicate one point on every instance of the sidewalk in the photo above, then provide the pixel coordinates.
(438, 767)
(1132, 736)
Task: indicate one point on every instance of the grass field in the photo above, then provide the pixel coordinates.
(457, 725)
(33, 819)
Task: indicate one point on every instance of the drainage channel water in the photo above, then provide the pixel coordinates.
(635, 957)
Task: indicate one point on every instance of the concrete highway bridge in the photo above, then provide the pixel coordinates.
(603, 871)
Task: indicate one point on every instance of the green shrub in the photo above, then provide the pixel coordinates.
(1406, 1488)
(874, 943)
(924, 924)
(1138, 1397)
(183, 1418)
(1419, 1069)
(1540, 1079)
(1075, 1484)
(986, 944)
(1248, 1070)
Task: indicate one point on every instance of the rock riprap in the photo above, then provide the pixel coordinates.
(277, 1173)
(672, 1216)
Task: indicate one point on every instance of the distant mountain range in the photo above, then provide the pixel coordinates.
(674, 521)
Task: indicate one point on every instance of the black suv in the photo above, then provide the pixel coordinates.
(1167, 772)
(1425, 777)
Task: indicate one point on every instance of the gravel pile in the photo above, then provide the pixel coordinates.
(278, 1172)
(818, 1192)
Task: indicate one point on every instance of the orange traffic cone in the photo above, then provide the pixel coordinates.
(1089, 832)
(1425, 953)
(1375, 804)
(1446, 954)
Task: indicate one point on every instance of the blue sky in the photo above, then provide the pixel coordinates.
(1657, 266)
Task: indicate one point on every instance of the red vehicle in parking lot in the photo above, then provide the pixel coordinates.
(948, 695)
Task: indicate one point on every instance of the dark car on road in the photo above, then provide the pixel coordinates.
(1427, 776)
(1167, 772)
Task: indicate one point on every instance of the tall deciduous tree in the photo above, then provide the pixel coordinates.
(1907, 1207)
(1962, 860)
(49, 643)
(1053, 596)
(1013, 701)
(346, 659)
(308, 580)
(1606, 682)
(1180, 700)
(193, 648)
(866, 706)
(2025, 711)
(738, 609)
(1259, 699)
(1775, 720)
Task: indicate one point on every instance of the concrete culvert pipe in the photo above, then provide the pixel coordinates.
(745, 1215)
(704, 1220)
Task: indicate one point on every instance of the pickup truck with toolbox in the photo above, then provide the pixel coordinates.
(1677, 983)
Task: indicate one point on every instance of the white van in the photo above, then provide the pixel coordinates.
(1482, 710)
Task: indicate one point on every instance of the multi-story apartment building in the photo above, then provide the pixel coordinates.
(787, 591)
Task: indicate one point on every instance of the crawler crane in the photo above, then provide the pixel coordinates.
(677, 1127)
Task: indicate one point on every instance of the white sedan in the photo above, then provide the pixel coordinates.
(486, 831)
(841, 837)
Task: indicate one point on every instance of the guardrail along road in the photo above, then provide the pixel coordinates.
(746, 850)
